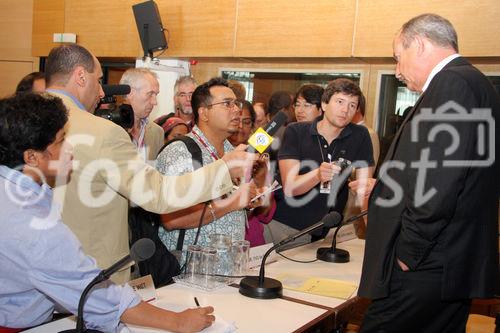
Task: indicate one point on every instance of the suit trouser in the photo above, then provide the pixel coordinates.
(414, 305)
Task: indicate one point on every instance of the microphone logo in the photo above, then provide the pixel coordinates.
(260, 140)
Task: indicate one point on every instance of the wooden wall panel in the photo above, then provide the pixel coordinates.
(12, 73)
(299, 28)
(15, 43)
(199, 28)
(48, 18)
(106, 28)
(477, 24)
(15, 29)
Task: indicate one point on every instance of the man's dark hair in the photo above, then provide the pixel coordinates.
(342, 85)
(26, 83)
(279, 100)
(311, 93)
(202, 97)
(63, 60)
(28, 121)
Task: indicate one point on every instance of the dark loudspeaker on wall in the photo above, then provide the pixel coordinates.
(148, 20)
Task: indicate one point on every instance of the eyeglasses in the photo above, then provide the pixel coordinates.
(229, 104)
(305, 105)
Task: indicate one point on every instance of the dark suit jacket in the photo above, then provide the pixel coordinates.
(456, 231)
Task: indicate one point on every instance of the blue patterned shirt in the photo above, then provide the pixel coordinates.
(175, 160)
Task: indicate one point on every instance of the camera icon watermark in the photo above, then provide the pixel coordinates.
(445, 117)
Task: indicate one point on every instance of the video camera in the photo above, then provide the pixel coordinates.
(122, 115)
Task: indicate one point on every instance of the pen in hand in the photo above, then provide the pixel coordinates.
(196, 301)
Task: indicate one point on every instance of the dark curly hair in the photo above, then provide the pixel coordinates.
(201, 96)
(28, 121)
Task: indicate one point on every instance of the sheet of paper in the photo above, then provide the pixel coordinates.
(318, 286)
(275, 186)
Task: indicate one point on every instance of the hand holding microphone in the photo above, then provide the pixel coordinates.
(261, 139)
(239, 161)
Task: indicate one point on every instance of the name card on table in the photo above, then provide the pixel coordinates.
(145, 287)
(257, 253)
(346, 233)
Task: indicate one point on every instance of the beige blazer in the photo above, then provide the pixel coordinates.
(108, 173)
(153, 137)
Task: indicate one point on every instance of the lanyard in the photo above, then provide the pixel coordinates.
(210, 150)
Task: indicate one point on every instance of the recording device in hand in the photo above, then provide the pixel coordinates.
(141, 250)
(326, 187)
(332, 254)
(122, 115)
(260, 141)
(268, 288)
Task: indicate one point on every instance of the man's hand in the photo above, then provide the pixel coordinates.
(195, 320)
(241, 198)
(239, 162)
(259, 172)
(362, 187)
(326, 171)
(403, 266)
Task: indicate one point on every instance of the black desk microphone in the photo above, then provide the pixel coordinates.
(332, 254)
(143, 249)
(267, 288)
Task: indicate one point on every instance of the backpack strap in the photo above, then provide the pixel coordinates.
(195, 152)
(192, 147)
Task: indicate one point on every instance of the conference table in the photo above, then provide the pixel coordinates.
(294, 312)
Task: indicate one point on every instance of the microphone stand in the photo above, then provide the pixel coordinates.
(267, 288)
(143, 249)
(79, 319)
(259, 286)
(332, 254)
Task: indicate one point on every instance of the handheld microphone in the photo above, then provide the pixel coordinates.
(267, 288)
(261, 139)
(115, 89)
(141, 250)
(332, 254)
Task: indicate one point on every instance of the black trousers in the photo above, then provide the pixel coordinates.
(415, 305)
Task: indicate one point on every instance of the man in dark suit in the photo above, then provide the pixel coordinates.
(432, 237)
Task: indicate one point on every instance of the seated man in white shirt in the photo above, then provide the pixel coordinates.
(41, 260)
